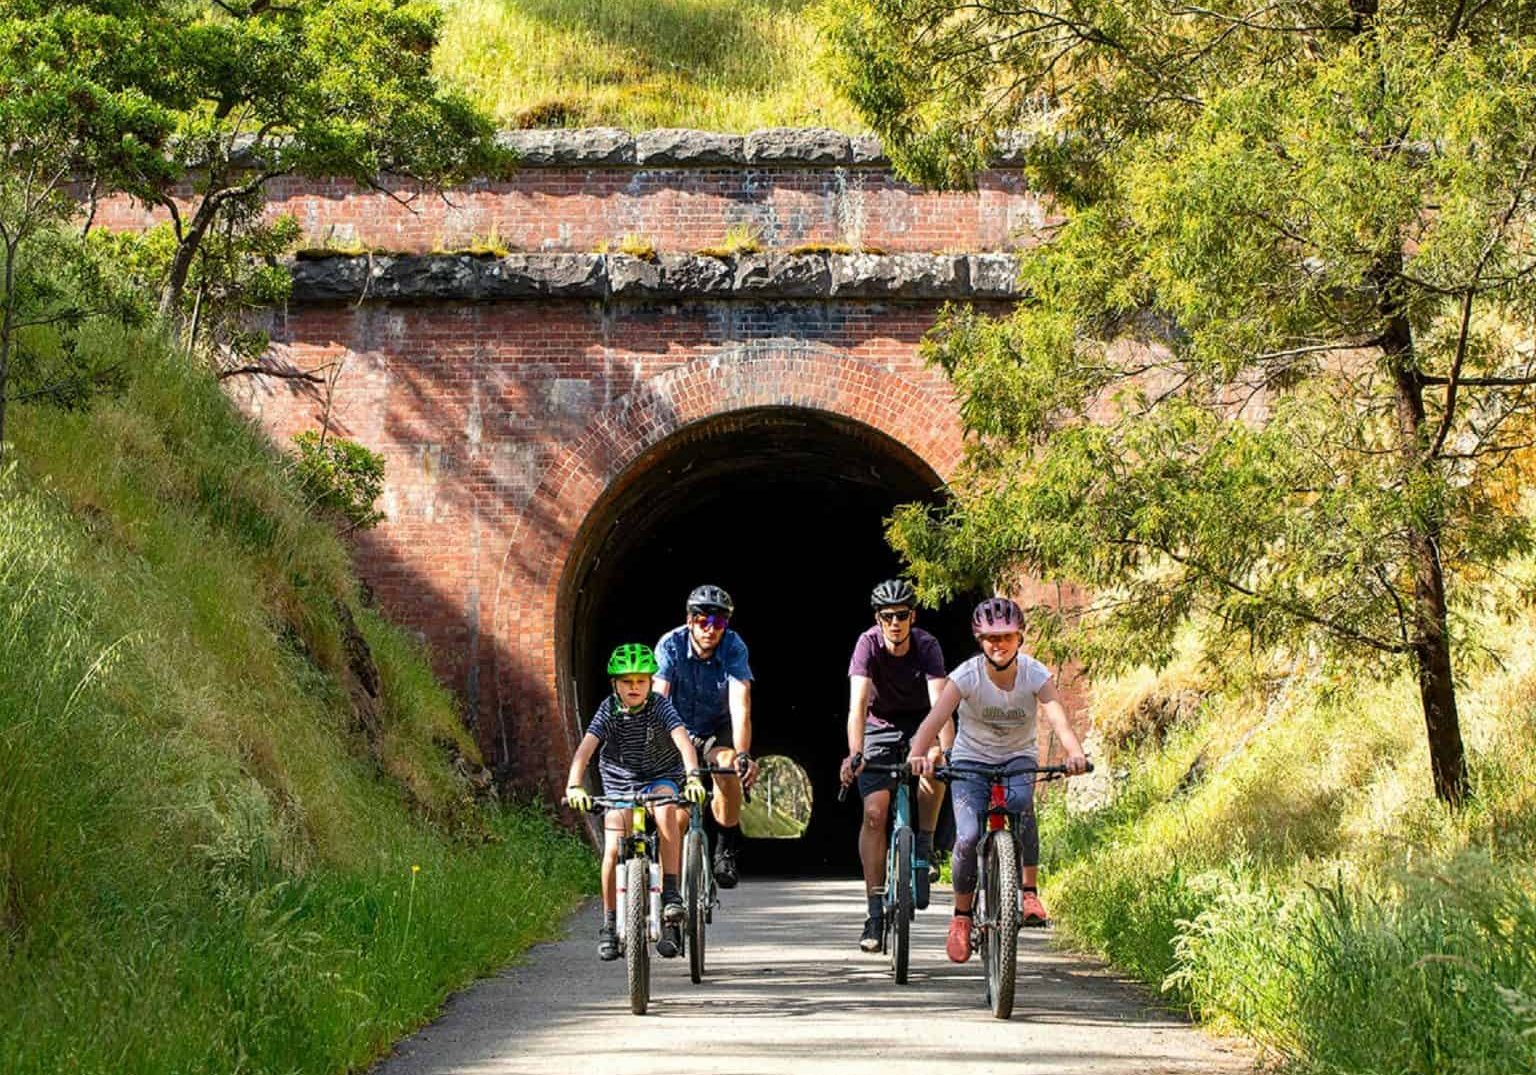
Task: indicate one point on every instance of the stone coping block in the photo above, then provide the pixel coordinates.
(405, 278)
(681, 147)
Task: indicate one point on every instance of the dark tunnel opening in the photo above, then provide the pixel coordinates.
(785, 508)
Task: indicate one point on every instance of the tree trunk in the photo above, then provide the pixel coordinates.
(186, 251)
(1430, 641)
(7, 318)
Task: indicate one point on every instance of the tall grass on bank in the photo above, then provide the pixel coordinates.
(731, 66)
(1279, 864)
(208, 860)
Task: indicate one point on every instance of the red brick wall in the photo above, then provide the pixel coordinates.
(679, 209)
(503, 424)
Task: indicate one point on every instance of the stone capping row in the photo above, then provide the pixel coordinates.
(405, 278)
(678, 147)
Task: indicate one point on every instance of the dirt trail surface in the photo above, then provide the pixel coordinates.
(787, 991)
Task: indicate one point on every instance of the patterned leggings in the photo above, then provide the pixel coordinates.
(970, 798)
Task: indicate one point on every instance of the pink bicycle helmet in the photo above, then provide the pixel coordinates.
(996, 615)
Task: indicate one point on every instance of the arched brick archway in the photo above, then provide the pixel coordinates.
(534, 705)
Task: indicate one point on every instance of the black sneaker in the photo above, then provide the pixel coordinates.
(874, 929)
(672, 909)
(607, 945)
(725, 869)
(671, 943)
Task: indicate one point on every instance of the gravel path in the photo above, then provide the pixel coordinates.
(788, 991)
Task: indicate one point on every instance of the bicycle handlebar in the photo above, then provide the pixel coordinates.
(628, 802)
(898, 769)
(953, 769)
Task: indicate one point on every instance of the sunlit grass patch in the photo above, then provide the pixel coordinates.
(1279, 864)
(640, 64)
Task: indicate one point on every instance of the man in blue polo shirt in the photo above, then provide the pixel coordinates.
(704, 671)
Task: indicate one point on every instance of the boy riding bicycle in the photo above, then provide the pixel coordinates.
(998, 694)
(644, 750)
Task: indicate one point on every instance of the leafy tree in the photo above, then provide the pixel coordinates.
(341, 476)
(1275, 370)
(315, 87)
(252, 90)
(62, 114)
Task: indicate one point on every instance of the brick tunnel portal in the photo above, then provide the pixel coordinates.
(784, 507)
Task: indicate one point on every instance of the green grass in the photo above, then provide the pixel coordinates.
(206, 862)
(1305, 889)
(729, 66)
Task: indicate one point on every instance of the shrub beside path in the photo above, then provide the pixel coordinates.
(788, 991)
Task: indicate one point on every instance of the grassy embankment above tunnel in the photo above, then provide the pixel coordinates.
(232, 833)
(1275, 859)
(729, 66)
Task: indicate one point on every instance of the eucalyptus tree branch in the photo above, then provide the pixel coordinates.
(1449, 415)
(272, 371)
(56, 386)
(1397, 601)
(1482, 382)
(1291, 608)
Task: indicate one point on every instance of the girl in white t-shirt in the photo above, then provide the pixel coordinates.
(998, 693)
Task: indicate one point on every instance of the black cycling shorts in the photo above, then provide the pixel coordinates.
(884, 745)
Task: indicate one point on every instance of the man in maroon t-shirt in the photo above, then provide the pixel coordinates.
(894, 678)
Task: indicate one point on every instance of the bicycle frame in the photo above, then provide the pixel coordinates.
(643, 842)
(901, 817)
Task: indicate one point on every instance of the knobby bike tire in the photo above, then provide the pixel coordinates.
(901, 925)
(637, 946)
(1003, 937)
(696, 896)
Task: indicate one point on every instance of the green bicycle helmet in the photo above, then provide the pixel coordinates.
(632, 659)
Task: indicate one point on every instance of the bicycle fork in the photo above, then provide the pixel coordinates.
(653, 876)
(998, 827)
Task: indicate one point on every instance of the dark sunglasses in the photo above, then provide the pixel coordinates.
(895, 615)
(711, 620)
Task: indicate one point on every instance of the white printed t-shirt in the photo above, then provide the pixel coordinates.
(995, 725)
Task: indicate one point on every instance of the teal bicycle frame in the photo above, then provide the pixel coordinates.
(901, 865)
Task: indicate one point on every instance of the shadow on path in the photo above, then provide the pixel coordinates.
(787, 989)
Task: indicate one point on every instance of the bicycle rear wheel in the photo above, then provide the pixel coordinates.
(1002, 938)
(901, 909)
(696, 897)
(637, 941)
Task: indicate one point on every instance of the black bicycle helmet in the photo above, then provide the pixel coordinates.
(709, 598)
(892, 592)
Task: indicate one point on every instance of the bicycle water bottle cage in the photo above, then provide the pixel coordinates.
(997, 816)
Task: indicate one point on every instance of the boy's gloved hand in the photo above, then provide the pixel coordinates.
(694, 791)
(578, 798)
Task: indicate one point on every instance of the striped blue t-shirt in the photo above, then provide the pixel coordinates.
(637, 747)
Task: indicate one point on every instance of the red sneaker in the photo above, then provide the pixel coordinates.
(958, 945)
(1033, 911)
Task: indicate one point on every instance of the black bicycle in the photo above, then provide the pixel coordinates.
(996, 914)
(700, 893)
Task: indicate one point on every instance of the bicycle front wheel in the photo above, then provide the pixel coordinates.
(637, 941)
(901, 906)
(696, 897)
(1002, 938)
